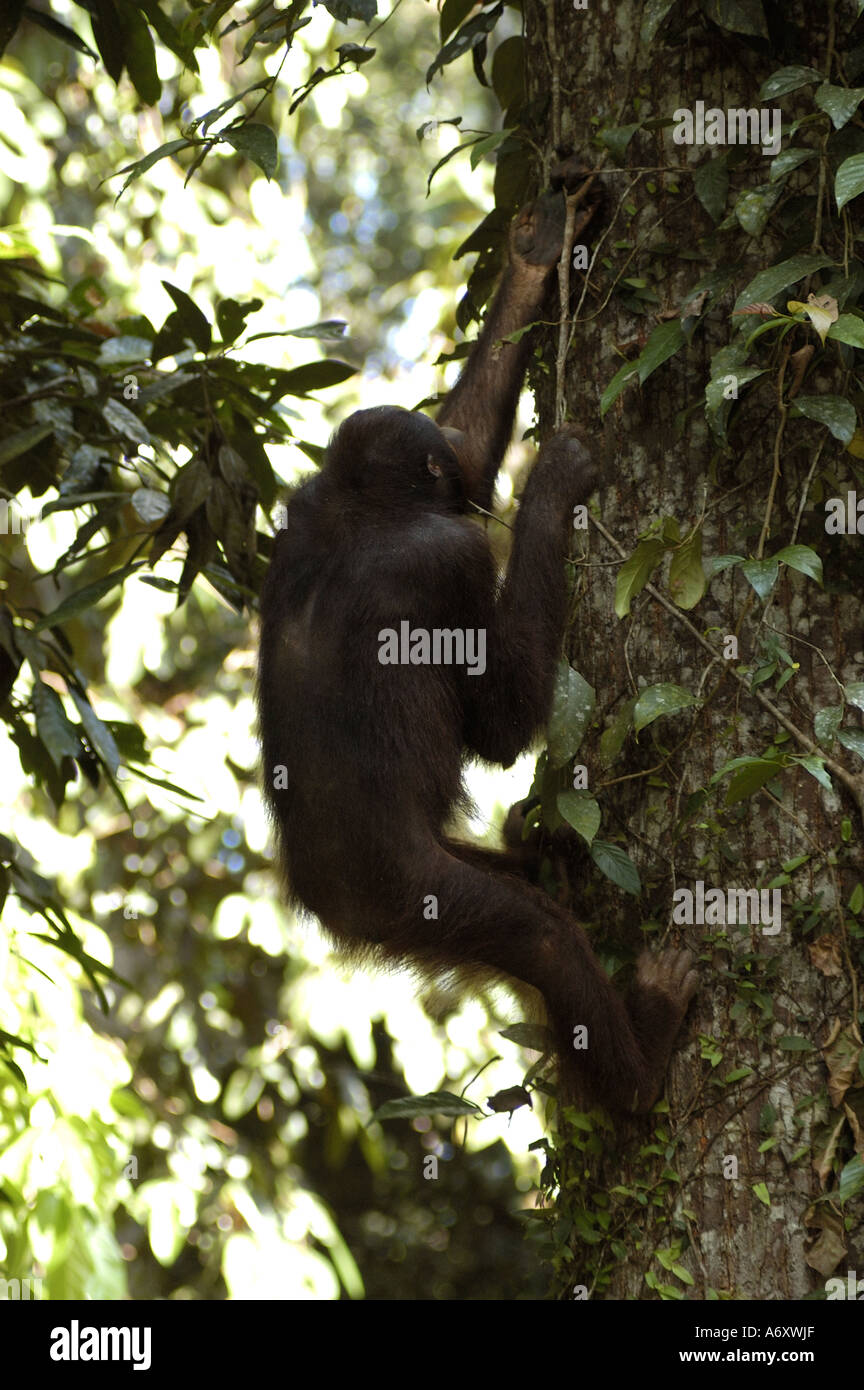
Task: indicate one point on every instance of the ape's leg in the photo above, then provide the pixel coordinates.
(491, 919)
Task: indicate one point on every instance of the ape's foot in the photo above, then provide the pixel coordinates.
(664, 985)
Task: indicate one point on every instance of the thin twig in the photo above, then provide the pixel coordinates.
(555, 74)
(565, 328)
(778, 437)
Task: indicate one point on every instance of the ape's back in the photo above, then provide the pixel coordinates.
(360, 756)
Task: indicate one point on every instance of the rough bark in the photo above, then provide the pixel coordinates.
(650, 1187)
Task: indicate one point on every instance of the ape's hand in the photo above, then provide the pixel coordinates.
(566, 464)
(537, 231)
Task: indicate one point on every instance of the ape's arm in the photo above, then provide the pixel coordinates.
(510, 703)
(483, 402)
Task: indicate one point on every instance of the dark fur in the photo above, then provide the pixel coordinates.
(374, 752)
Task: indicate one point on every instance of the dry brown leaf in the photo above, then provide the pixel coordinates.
(825, 950)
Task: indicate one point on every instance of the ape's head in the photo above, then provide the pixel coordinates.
(397, 455)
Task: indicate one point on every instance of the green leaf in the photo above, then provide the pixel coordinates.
(749, 777)
(635, 573)
(802, 558)
(739, 16)
(653, 14)
(816, 768)
(851, 1180)
(761, 1191)
(435, 1103)
(761, 574)
(140, 166)
(617, 138)
(717, 563)
(468, 37)
(580, 810)
(664, 342)
(849, 180)
(18, 443)
(117, 352)
(853, 739)
(826, 722)
(754, 206)
(125, 421)
(717, 403)
(835, 412)
(658, 700)
(139, 52)
(786, 80)
(533, 1035)
(189, 488)
(85, 598)
(612, 738)
(243, 1090)
(840, 103)
(314, 376)
(15, 242)
(343, 10)
(55, 730)
(488, 144)
(617, 865)
(231, 316)
(445, 159)
(108, 37)
(166, 384)
(792, 1042)
(790, 865)
(169, 1216)
(508, 71)
(59, 31)
(191, 320)
(616, 385)
(98, 734)
(15, 1069)
(572, 707)
(855, 693)
(355, 53)
(687, 580)
(166, 786)
(257, 142)
(452, 14)
(169, 34)
(769, 283)
(165, 586)
(327, 328)
(786, 161)
(711, 185)
(209, 118)
(848, 328)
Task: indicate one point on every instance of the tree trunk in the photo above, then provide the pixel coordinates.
(723, 1192)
